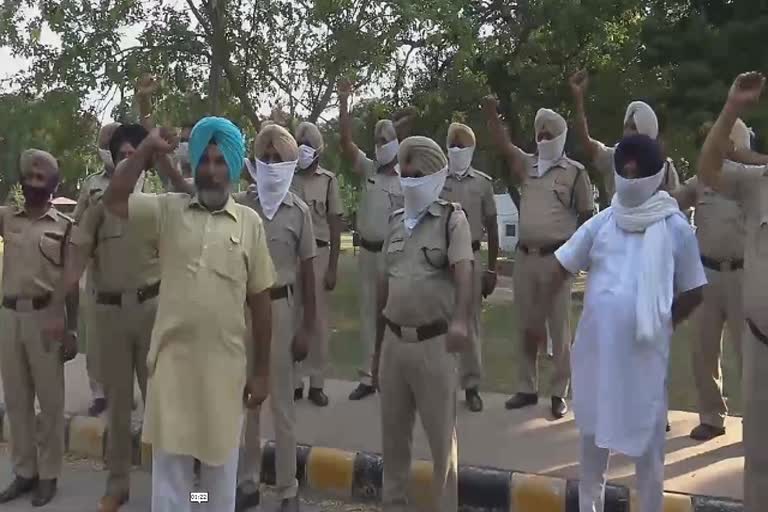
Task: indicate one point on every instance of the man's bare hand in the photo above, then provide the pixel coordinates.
(490, 105)
(330, 279)
(457, 338)
(746, 90)
(300, 345)
(68, 347)
(146, 85)
(256, 391)
(488, 283)
(163, 140)
(55, 324)
(579, 83)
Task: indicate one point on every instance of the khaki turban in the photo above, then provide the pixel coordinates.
(740, 135)
(276, 136)
(385, 129)
(550, 121)
(644, 117)
(311, 133)
(105, 134)
(462, 132)
(423, 154)
(32, 156)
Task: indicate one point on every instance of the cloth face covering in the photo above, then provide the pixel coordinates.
(633, 193)
(272, 183)
(459, 160)
(227, 137)
(419, 193)
(550, 152)
(306, 156)
(386, 153)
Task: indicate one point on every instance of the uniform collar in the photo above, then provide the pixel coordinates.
(435, 209)
(50, 213)
(469, 174)
(558, 163)
(229, 207)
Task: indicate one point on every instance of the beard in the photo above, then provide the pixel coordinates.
(211, 195)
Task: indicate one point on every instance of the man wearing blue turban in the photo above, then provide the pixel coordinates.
(215, 261)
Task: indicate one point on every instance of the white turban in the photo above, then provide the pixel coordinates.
(550, 121)
(458, 129)
(644, 117)
(385, 129)
(311, 133)
(741, 135)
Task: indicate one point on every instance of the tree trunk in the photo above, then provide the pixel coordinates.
(216, 13)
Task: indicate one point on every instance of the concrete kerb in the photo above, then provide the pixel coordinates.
(358, 476)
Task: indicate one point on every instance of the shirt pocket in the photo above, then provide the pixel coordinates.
(227, 259)
(395, 251)
(51, 246)
(435, 256)
(110, 230)
(562, 188)
(282, 249)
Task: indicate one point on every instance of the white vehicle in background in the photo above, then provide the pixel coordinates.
(508, 222)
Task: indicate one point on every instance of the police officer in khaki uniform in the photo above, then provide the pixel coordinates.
(31, 365)
(320, 190)
(474, 191)
(747, 184)
(556, 198)
(426, 310)
(292, 245)
(381, 195)
(720, 232)
(639, 118)
(125, 275)
(94, 185)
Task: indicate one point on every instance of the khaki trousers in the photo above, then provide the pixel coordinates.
(126, 332)
(722, 305)
(418, 377)
(755, 423)
(532, 277)
(283, 410)
(371, 265)
(471, 361)
(316, 363)
(31, 367)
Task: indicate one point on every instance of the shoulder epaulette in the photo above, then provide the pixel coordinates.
(574, 163)
(325, 172)
(397, 212)
(481, 174)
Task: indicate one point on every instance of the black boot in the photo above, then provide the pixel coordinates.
(520, 400)
(46, 490)
(559, 407)
(298, 393)
(247, 496)
(474, 402)
(317, 397)
(290, 505)
(362, 391)
(706, 432)
(98, 406)
(19, 487)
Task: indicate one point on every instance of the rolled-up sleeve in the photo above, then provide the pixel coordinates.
(460, 238)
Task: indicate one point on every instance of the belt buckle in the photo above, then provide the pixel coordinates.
(726, 266)
(536, 251)
(25, 305)
(409, 334)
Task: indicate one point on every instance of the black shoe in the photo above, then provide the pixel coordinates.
(44, 493)
(317, 397)
(668, 427)
(706, 432)
(298, 393)
(98, 406)
(362, 391)
(19, 487)
(246, 499)
(290, 505)
(474, 402)
(559, 407)
(520, 400)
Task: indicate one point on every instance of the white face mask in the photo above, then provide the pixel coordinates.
(550, 152)
(272, 183)
(307, 156)
(633, 193)
(388, 152)
(419, 193)
(106, 158)
(459, 160)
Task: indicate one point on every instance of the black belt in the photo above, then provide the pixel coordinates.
(476, 246)
(542, 251)
(322, 243)
(37, 302)
(756, 332)
(371, 246)
(281, 292)
(424, 332)
(116, 298)
(714, 264)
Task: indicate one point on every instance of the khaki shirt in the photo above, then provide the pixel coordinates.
(605, 166)
(210, 263)
(290, 235)
(33, 254)
(474, 192)
(418, 267)
(748, 185)
(550, 205)
(93, 188)
(719, 221)
(381, 196)
(320, 190)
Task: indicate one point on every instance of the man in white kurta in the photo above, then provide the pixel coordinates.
(619, 372)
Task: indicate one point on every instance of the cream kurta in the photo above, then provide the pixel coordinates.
(209, 263)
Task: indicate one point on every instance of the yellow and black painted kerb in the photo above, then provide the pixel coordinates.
(357, 476)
